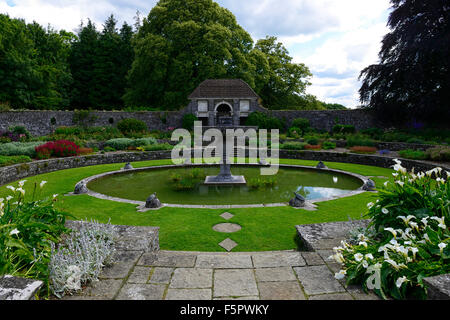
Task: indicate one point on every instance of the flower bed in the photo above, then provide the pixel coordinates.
(407, 240)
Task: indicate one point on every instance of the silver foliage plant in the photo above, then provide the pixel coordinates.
(81, 257)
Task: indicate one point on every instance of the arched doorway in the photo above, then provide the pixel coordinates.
(224, 114)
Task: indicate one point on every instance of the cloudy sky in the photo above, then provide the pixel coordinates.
(336, 39)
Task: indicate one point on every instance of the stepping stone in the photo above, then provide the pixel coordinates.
(227, 215)
(228, 244)
(227, 227)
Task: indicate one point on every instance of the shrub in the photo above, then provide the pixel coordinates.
(313, 141)
(131, 126)
(293, 146)
(344, 128)
(412, 239)
(263, 121)
(21, 131)
(294, 132)
(374, 133)
(19, 148)
(188, 121)
(10, 160)
(363, 150)
(144, 142)
(158, 147)
(59, 148)
(359, 140)
(27, 231)
(4, 107)
(441, 153)
(328, 145)
(85, 151)
(416, 140)
(66, 131)
(301, 123)
(412, 154)
(109, 149)
(313, 147)
(119, 143)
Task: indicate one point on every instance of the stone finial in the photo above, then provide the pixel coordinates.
(369, 185)
(153, 202)
(321, 165)
(298, 201)
(80, 188)
(128, 166)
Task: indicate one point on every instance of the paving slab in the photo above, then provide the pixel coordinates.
(15, 288)
(104, 288)
(312, 258)
(438, 287)
(275, 274)
(161, 275)
(234, 283)
(139, 275)
(278, 259)
(285, 290)
(189, 294)
(318, 280)
(190, 278)
(224, 261)
(167, 260)
(332, 296)
(227, 215)
(141, 292)
(238, 298)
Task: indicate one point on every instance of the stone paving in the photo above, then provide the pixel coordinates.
(168, 275)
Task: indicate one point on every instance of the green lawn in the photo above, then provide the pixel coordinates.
(191, 229)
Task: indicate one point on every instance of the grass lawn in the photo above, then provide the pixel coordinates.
(263, 229)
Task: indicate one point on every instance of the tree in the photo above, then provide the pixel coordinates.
(33, 65)
(82, 60)
(412, 79)
(180, 44)
(283, 81)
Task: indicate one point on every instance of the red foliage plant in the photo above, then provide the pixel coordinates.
(313, 147)
(59, 148)
(363, 149)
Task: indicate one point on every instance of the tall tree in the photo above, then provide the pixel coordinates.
(412, 79)
(285, 82)
(82, 61)
(180, 44)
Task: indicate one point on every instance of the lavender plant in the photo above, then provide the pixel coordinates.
(81, 257)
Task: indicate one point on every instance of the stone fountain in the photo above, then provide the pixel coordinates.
(225, 176)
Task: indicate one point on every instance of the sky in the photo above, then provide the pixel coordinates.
(336, 39)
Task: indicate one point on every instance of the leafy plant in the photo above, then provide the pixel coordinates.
(440, 153)
(10, 160)
(60, 148)
(302, 124)
(188, 121)
(328, 145)
(359, 140)
(344, 128)
(293, 146)
(412, 154)
(129, 127)
(19, 148)
(411, 241)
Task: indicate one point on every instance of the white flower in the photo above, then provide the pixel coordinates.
(440, 180)
(11, 188)
(21, 183)
(55, 195)
(441, 222)
(386, 183)
(414, 250)
(424, 221)
(395, 175)
(425, 236)
(22, 191)
(340, 275)
(42, 183)
(363, 243)
(365, 264)
(8, 198)
(442, 246)
(407, 219)
(13, 232)
(358, 257)
(400, 183)
(335, 179)
(370, 205)
(385, 211)
(369, 256)
(400, 281)
(338, 257)
(394, 233)
(394, 264)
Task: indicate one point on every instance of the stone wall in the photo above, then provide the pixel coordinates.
(44, 122)
(326, 119)
(41, 123)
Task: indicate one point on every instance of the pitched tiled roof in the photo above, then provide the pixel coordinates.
(223, 88)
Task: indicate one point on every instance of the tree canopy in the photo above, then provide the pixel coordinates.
(412, 79)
